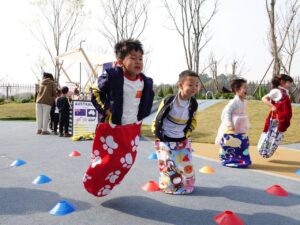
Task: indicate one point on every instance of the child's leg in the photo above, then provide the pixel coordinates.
(55, 122)
(61, 124)
(66, 126)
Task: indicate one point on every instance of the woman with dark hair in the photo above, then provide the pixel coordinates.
(279, 118)
(44, 101)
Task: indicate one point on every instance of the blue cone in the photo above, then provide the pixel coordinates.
(42, 179)
(18, 162)
(298, 172)
(62, 208)
(152, 156)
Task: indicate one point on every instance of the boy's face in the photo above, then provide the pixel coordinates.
(132, 63)
(242, 92)
(189, 86)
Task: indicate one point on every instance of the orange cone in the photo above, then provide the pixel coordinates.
(277, 191)
(228, 218)
(207, 169)
(151, 186)
(74, 154)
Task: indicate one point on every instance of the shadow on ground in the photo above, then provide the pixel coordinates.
(19, 201)
(151, 209)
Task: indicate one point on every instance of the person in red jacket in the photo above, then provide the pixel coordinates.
(279, 101)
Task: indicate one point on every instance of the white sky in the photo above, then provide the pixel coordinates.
(239, 30)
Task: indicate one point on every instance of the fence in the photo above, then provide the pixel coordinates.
(8, 91)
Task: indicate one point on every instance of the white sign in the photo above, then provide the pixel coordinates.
(85, 118)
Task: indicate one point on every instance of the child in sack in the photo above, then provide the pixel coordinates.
(123, 96)
(231, 135)
(174, 122)
(278, 100)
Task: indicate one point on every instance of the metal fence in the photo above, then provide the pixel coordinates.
(8, 91)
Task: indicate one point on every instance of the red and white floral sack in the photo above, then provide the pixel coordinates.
(114, 152)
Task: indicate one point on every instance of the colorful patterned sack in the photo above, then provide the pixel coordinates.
(177, 174)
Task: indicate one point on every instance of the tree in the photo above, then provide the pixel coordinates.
(213, 65)
(281, 30)
(56, 26)
(160, 93)
(191, 19)
(170, 91)
(123, 19)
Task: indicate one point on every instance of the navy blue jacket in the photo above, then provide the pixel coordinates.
(109, 95)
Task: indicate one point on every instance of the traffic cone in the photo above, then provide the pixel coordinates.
(207, 169)
(152, 156)
(18, 162)
(151, 186)
(62, 208)
(42, 179)
(74, 154)
(228, 218)
(277, 191)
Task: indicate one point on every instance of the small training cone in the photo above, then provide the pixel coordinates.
(277, 190)
(18, 162)
(298, 172)
(207, 169)
(74, 154)
(228, 218)
(152, 156)
(62, 208)
(42, 179)
(151, 186)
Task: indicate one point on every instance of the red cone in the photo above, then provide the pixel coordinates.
(74, 154)
(228, 218)
(151, 186)
(277, 190)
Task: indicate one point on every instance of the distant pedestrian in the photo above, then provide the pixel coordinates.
(44, 101)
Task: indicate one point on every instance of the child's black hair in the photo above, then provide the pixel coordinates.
(236, 84)
(282, 77)
(124, 47)
(47, 75)
(64, 90)
(187, 73)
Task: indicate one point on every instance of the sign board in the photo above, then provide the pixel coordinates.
(85, 118)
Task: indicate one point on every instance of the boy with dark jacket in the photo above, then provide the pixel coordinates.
(123, 97)
(175, 120)
(63, 106)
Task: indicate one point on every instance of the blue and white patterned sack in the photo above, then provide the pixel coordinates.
(268, 142)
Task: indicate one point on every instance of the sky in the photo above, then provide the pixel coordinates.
(239, 31)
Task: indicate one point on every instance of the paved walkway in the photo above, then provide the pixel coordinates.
(21, 202)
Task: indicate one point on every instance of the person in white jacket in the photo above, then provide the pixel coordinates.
(231, 135)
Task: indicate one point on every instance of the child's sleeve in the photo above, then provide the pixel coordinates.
(275, 94)
(162, 103)
(99, 94)
(227, 113)
(193, 124)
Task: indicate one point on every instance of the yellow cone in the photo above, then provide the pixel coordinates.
(207, 169)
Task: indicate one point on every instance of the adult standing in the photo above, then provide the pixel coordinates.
(44, 100)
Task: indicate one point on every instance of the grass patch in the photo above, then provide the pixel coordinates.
(209, 121)
(146, 132)
(17, 111)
